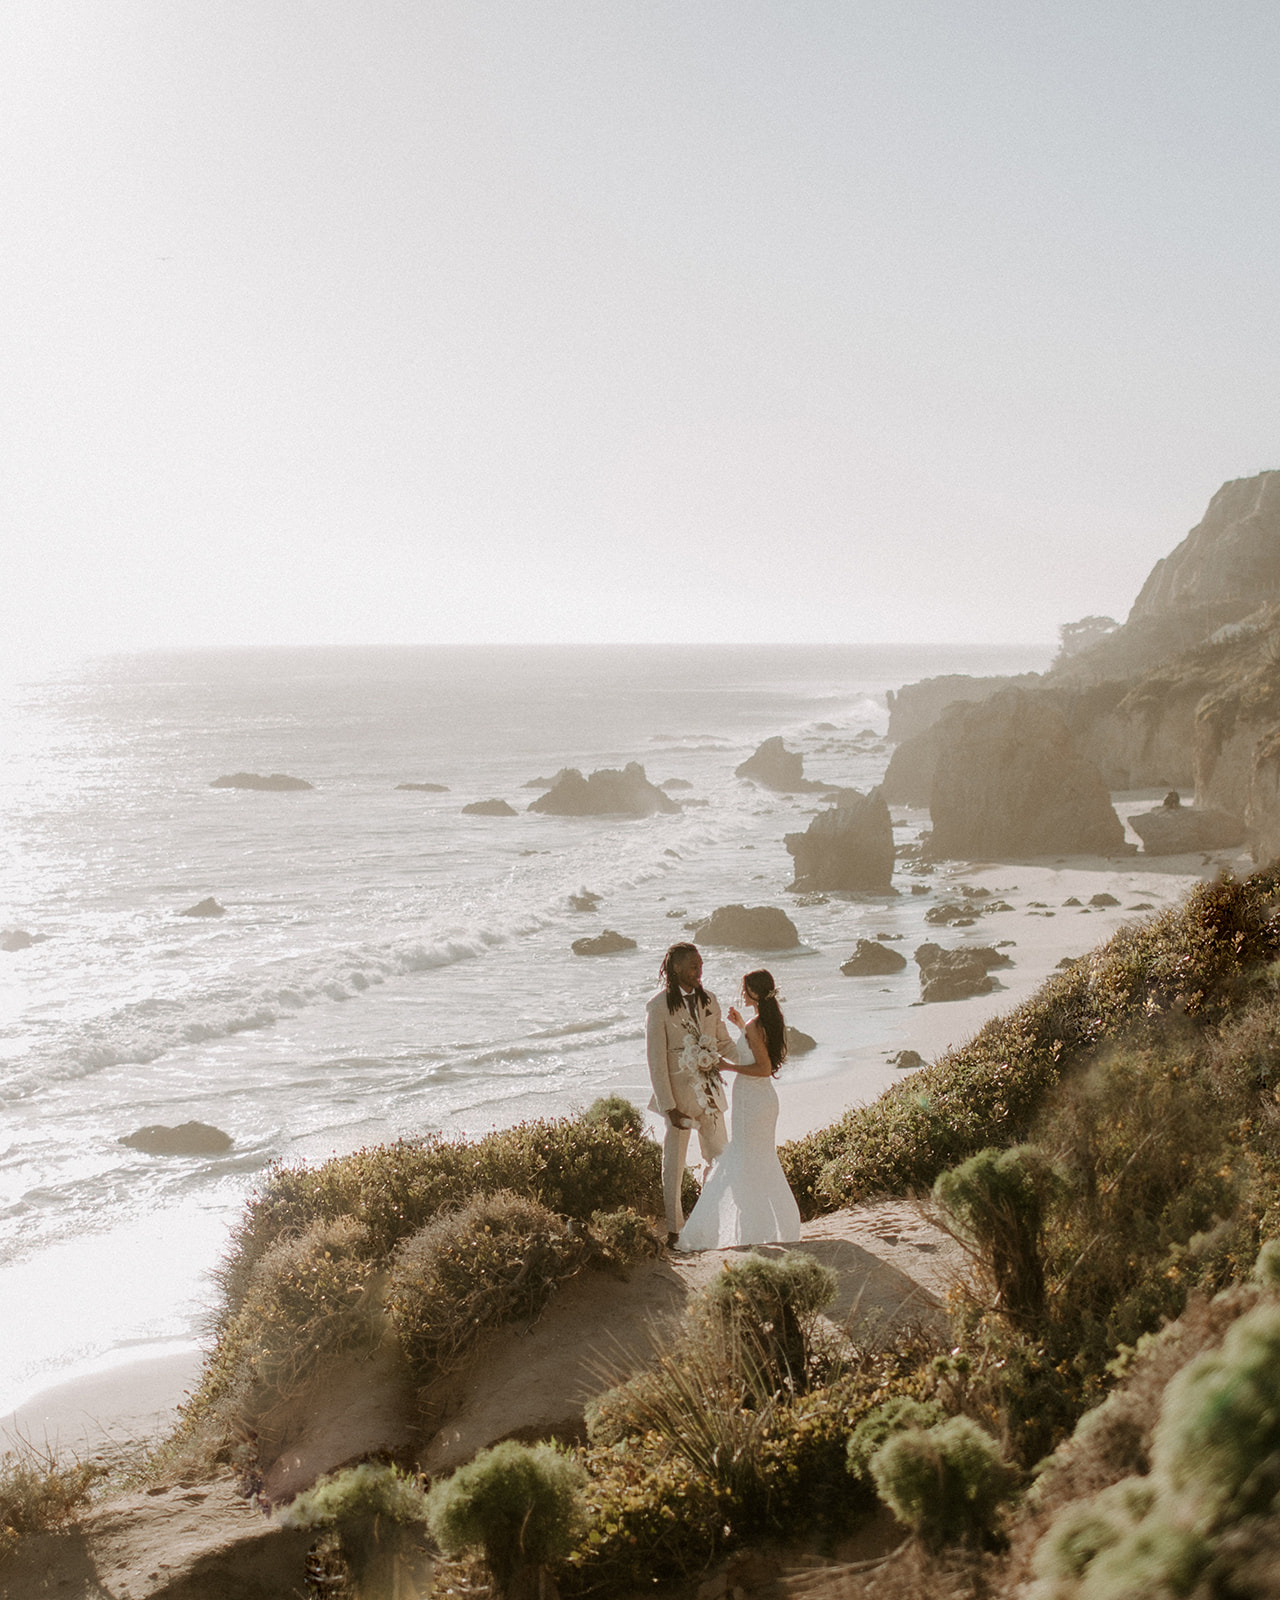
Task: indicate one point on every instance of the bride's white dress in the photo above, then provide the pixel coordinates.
(746, 1199)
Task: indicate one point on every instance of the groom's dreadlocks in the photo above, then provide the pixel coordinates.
(675, 997)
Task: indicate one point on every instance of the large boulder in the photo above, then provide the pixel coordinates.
(607, 792)
(208, 907)
(1176, 830)
(748, 928)
(849, 846)
(607, 943)
(255, 780)
(956, 974)
(873, 960)
(489, 808)
(1011, 782)
(187, 1139)
(776, 767)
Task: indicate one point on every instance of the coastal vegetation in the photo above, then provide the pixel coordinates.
(1102, 1420)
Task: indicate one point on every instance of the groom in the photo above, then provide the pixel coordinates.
(665, 1034)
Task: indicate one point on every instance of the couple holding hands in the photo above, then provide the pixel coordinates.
(745, 1200)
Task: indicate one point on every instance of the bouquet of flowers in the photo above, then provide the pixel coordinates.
(699, 1062)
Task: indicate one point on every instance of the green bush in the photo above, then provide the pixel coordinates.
(369, 1507)
(1266, 1268)
(1218, 1438)
(615, 1111)
(997, 1197)
(902, 1412)
(1085, 1528)
(948, 1484)
(495, 1260)
(521, 1506)
(622, 1238)
(1157, 1560)
(772, 1303)
(574, 1166)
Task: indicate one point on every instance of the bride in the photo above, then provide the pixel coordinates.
(746, 1199)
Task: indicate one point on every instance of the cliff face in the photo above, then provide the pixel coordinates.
(1228, 564)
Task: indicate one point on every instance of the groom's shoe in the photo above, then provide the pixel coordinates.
(673, 1239)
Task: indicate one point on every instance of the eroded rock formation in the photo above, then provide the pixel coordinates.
(872, 960)
(489, 808)
(1010, 782)
(607, 792)
(849, 846)
(604, 944)
(776, 767)
(1177, 830)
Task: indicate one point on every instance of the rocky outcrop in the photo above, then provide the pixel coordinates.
(187, 1139)
(607, 792)
(908, 779)
(14, 939)
(798, 1043)
(957, 974)
(917, 706)
(849, 846)
(1262, 814)
(585, 900)
(1228, 564)
(1010, 782)
(607, 943)
(672, 784)
(255, 780)
(748, 928)
(1176, 830)
(425, 788)
(208, 907)
(906, 1060)
(873, 960)
(489, 808)
(776, 767)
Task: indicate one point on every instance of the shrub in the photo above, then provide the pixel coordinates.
(997, 1197)
(369, 1507)
(617, 1112)
(621, 1238)
(903, 1411)
(1218, 1438)
(1266, 1269)
(39, 1493)
(772, 1302)
(1087, 1527)
(520, 1505)
(574, 1166)
(495, 1260)
(947, 1483)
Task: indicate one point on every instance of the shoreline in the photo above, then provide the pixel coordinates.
(112, 1411)
(131, 1403)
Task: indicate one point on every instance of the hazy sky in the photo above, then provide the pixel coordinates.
(439, 320)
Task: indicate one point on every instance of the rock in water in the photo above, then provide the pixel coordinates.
(956, 974)
(14, 939)
(748, 928)
(425, 788)
(208, 907)
(872, 960)
(488, 808)
(906, 1060)
(849, 846)
(607, 792)
(604, 944)
(255, 780)
(1178, 830)
(588, 900)
(187, 1139)
(1010, 782)
(775, 767)
(799, 1044)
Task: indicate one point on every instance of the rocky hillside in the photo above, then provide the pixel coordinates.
(1184, 695)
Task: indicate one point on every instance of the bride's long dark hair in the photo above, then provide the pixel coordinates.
(759, 986)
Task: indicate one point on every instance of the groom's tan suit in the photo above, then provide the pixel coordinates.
(665, 1036)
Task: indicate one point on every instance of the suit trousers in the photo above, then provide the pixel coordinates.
(675, 1148)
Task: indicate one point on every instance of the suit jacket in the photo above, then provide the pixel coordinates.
(665, 1035)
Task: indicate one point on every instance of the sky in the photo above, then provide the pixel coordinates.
(418, 321)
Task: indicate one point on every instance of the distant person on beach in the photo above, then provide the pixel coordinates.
(747, 1200)
(687, 1044)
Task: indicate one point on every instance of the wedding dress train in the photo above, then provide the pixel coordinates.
(746, 1199)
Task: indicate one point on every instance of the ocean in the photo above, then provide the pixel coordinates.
(386, 965)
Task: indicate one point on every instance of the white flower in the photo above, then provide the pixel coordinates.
(699, 1063)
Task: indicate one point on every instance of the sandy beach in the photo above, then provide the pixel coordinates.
(133, 1402)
